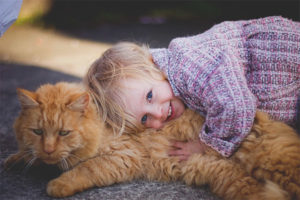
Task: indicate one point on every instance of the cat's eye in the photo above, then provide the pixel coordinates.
(64, 133)
(38, 131)
(149, 96)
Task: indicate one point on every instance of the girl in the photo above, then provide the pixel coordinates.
(225, 74)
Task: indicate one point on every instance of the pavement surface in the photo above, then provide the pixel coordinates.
(29, 57)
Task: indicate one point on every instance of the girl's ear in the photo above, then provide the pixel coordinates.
(27, 99)
(79, 103)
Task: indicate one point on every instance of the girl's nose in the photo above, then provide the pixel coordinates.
(157, 112)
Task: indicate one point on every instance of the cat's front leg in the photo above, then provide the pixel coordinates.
(100, 171)
(65, 185)
(80, 178)
(71, 182)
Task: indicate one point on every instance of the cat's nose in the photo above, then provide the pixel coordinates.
(49, 149)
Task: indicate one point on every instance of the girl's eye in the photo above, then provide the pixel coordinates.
(64, 133)
(149, 96)
(38, 131)
(144, 119)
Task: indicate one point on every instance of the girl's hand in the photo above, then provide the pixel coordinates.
(185, 149)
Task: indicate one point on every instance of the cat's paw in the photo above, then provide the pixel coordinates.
(59, 188)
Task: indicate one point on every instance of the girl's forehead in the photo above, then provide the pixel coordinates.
(135, 83)
(133, 95)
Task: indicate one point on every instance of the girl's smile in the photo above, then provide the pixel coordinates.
(152, 103)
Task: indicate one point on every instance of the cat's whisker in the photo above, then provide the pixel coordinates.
(29, 164)
(6, 154)
(26, 153)
(64, 164)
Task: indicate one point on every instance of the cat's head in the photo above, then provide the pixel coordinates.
(57, 124)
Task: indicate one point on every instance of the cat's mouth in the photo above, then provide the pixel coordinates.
(50, 161)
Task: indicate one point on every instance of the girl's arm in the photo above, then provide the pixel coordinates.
(230, 106)
(214, 84)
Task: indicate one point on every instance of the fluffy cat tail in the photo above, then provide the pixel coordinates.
(272, 191)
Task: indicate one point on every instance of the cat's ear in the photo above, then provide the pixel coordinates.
(27, 98)
(79, 103)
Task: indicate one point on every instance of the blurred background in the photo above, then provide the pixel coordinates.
(68, 35)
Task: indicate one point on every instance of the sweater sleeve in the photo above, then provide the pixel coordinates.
(212, 81)
(230, 106)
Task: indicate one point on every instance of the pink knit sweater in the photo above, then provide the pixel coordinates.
(232, 69)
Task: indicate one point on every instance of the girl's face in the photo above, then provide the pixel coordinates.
(152, 103)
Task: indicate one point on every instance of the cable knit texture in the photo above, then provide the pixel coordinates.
(232, 69)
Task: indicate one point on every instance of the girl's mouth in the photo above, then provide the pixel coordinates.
(170, 113)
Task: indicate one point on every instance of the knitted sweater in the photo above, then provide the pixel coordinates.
(234, 68)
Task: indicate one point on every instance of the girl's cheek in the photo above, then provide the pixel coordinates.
(157, 125)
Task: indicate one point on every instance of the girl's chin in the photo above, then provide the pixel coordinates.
(178, 114)
(177, 110)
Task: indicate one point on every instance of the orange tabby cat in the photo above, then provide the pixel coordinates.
(59, 124)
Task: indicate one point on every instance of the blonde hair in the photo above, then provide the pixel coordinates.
(123, 60)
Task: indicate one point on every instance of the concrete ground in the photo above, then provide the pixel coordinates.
(29, 57)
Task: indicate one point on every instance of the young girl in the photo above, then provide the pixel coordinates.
(225, 74)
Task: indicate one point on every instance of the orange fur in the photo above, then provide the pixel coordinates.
(266, 166)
